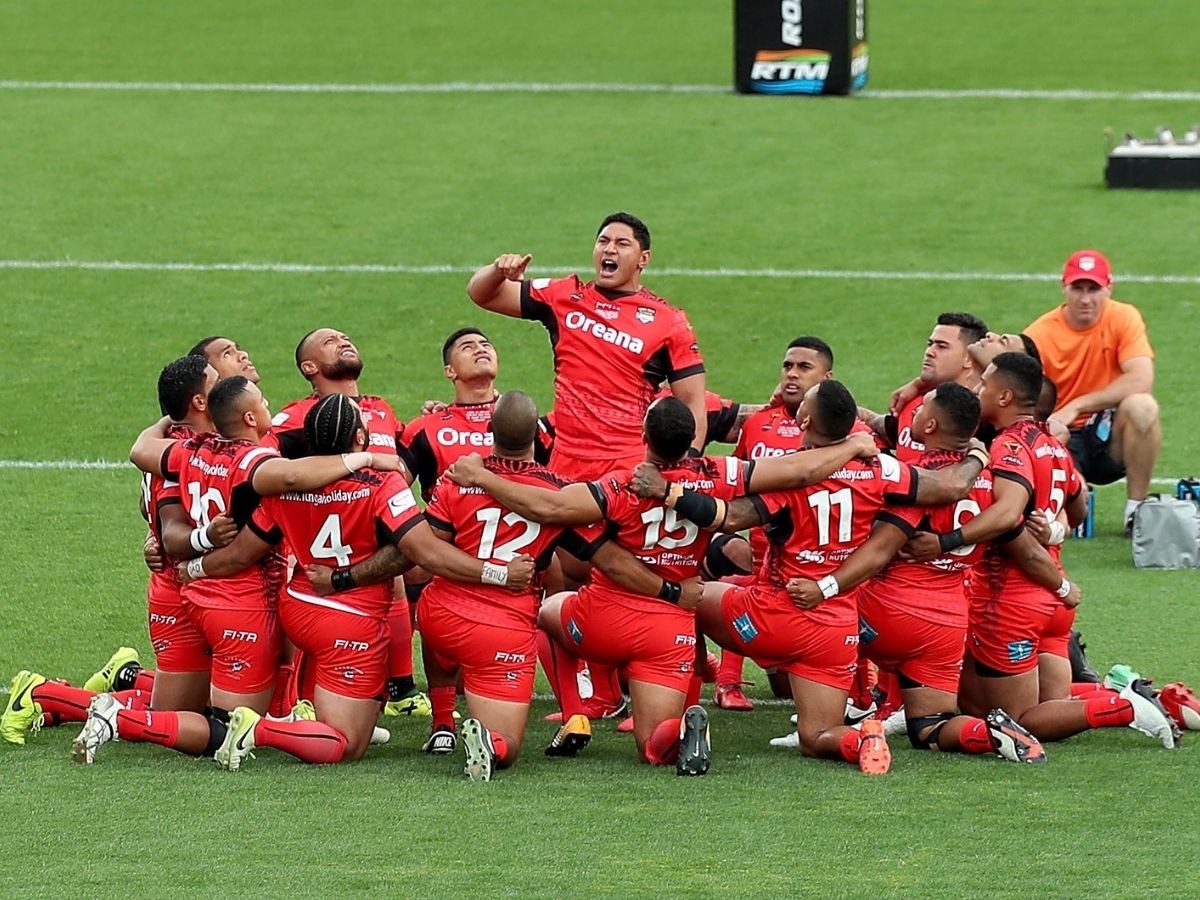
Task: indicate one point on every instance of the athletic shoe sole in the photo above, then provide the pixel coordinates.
(481, 759)
(695, 751)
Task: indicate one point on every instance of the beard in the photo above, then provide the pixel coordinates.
(343, 369)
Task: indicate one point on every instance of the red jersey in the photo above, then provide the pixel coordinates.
(1025, 452)
(813, 529)
(432, 442)
(772, 431)
(159, 492)
(933, 590)
(611, 352)
(483, 528)
(666, 543)
(339, 525)
(899, 431)
(287, 427)
(214, 476)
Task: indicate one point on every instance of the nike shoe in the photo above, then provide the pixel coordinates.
(1012, 742)
(896, 724)
(1149, 717)
(415, 704)
(441, 741)
(1120, 676)
(1181, 705)
(481, 756)
(239, 739)
(790, 741)
(21, 714)
(695, 750)
(874, 757)
(732, 697)
(1081, 669)
(106, 679)
(380, 735)
(573, 736)
(855, 714)
(303, 711)
(99, 728)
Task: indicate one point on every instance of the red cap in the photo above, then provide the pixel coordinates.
(1087, 265)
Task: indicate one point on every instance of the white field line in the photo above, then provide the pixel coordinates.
(462, 269)
(106, 465)
(580, 87)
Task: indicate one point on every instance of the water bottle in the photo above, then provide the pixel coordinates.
(1087, 528)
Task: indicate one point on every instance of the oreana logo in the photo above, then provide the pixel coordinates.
(790, 71)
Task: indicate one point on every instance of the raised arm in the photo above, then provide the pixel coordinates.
(147, 451)
(745, 411)
(497, 286)
(690, 391)
(571, 505)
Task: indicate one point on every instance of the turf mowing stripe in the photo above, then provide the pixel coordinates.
(458, 268)
(578, 87)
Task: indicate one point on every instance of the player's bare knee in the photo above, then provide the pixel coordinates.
(1139, 411)
(923, 731)
(356, 747)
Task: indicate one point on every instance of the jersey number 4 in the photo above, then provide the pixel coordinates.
(328, 542)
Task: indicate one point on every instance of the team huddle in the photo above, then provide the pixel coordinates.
(894, 573)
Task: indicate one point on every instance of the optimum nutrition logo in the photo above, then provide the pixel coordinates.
(790, 71)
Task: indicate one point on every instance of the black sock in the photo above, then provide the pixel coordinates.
(401, 687)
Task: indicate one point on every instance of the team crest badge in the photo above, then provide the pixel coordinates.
(645, 315)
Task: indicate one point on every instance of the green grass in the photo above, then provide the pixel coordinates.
(724, 181)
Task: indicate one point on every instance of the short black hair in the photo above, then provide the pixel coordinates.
(1047, 400)
(180, 381)
(514, 422)
(300, 348)
(670, 428)
(330, 425)
(1030, 347)
(223, 402)
(834, 408)
(448, 344)
(961, 408)
(1023, 374)
(971, 328)
(808, 342)
(641, 233)
(201, 348)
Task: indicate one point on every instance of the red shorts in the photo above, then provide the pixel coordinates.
(348, 652)
(572, 469)
(244, 646)
(1006, 635)
(926, 652)
(775, 634)
(1058, 632)
(497, 662)
(179, 646)
(657, 648)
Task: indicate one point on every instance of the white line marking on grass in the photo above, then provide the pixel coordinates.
(460, 268)
(571, 87)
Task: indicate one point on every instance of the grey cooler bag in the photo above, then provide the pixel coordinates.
(1166, 534)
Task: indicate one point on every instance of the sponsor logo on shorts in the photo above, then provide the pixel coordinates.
(250, 637)
(574, 632)
(687, 640)
(1018, 651)
(866, 633)
(239, 665)
(349, 673)
(358, 646)
(512, 676)
(501, 656)
(159, 619)
(745, 628)
(851, 640)
(160, 645)
(685, 667)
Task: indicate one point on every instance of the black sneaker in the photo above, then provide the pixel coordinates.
(695, 752)
(573, 736)
(442, 740)
(1081, 669)
(1012, 741)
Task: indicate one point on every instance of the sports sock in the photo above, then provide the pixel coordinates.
(126, 677)
(975, 737)
(1130, 507)
(442, 699)
(400, 639)
(67, 702)
(284, 680)
(133, 699)
(864, 680)
(695, 684)
(561, 666)
(850, 745)
(606, 686)
(144, 680)
(148, 726)
(730, 669)
(662, 747)
(499, 747)
(1087, 690)
(1108, 712)
(310, 742)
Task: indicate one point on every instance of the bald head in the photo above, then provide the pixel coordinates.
(514, 424)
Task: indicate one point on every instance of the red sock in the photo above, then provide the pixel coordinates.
(693, 691)
(281, 702)
(975, 737)
(499, 746)
(606, 685)
(851, 743)
(144, 681)
(133, 699)
(310, 742)
(148, 726)
(1087, 690)
(662, 747)
(68, 703)
(888, 682)
(306, 677)
(730, 670)
(561, 666)
(442, 699)
(400, 639)
(1108, 712)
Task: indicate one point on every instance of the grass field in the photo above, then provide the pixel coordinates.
(864, 189)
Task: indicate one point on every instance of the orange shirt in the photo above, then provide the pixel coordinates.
(1080, 361)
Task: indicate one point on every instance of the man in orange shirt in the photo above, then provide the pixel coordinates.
(1096, 352)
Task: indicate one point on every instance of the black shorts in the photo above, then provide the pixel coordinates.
(1089, 445)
